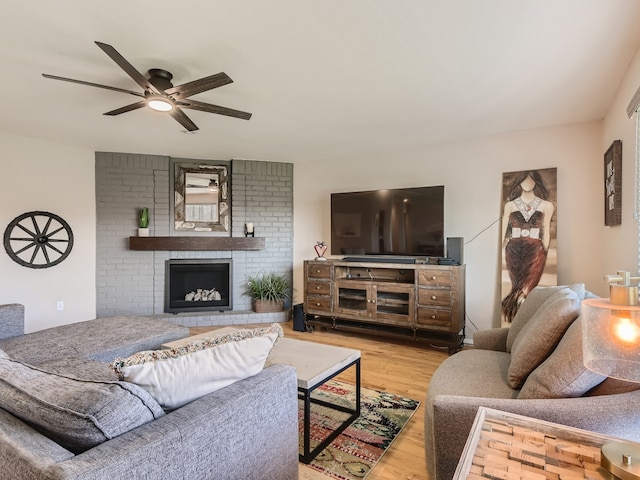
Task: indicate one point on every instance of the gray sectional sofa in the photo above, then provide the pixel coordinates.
(248, 430)
(534, 368)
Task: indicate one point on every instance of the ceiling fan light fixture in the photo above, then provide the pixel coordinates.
(159, 103)
(160, 95)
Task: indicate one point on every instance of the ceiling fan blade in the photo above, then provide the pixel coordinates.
(127, 108)
(127, 67)
(90, 84)
(201, 85)
(183, 120)
(207, 107)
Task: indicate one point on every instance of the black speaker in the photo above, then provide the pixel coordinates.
(455, 246)
(298, 318)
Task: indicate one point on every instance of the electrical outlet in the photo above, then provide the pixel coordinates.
(60, 305)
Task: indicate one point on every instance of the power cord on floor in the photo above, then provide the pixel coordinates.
(471, 322)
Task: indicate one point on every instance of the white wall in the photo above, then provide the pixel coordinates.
(472, 175)
(42, 176)
(620, 243)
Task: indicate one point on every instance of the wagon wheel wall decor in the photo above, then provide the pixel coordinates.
(38, 239)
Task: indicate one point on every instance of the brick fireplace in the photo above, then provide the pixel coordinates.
(131, 282)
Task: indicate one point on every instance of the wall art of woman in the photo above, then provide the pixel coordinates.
(526, 236)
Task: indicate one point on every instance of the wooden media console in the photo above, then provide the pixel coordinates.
(423, 302)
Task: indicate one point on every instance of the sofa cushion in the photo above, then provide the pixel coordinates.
(12, 315)
(77, 414)
(534, 300)
(177, 376)
(102, 339)
(563, 374)
(541, 334)
(472, 373)
(81, 368)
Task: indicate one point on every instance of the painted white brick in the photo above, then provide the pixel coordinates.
(132, 282)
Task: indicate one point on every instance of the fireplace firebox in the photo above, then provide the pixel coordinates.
(198, 285)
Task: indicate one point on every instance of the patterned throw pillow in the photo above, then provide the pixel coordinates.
(180, 375)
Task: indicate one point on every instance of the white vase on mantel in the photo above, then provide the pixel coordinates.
(143, 232)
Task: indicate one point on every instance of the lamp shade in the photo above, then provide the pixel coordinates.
(611, 339)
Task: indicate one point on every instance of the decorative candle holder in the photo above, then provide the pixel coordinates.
(248, 230)
(320, 248)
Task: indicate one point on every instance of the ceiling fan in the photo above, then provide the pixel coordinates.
(160, 94)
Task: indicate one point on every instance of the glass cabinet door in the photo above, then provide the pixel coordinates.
(353, 297)
(394, 304)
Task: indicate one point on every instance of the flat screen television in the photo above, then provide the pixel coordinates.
(395, 222)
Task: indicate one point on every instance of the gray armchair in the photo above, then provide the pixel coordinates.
(481, 377)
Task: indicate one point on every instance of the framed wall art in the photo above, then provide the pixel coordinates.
(613, 184)
(529, 236)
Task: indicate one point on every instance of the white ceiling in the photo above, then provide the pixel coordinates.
(323, 79)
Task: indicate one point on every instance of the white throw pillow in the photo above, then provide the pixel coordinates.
(180, 375)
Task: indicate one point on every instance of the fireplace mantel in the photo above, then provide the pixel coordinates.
(196, 243)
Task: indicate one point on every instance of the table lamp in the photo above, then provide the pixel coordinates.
(611, 347)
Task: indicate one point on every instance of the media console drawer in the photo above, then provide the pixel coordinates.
(319, 271)
(434, 278)
(322, 304)
(441, 298)
(434, 317)
(318, 288)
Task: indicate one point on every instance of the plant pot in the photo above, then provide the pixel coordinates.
(143, 232)
(268, 306)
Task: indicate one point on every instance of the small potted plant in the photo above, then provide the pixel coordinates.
(268, 291)
(143, 222)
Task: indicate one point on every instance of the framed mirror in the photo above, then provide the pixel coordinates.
(201, 198)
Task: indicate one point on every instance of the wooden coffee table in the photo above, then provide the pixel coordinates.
(315, 364)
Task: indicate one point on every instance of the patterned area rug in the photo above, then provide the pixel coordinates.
(354, 453)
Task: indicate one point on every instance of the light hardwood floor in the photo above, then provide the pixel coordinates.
(397, 367)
